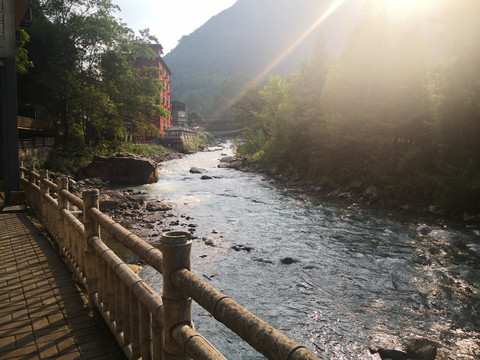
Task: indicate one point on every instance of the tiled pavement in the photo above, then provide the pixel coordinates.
(43, 314)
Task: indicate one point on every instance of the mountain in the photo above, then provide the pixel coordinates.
(250, 40)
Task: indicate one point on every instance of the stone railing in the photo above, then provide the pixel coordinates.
(145, 324)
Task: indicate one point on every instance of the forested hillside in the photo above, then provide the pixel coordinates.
(391, 111)
(249, 40)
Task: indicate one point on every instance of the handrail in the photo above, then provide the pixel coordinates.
(147, 296)
(262, 336)
(151, 255)
(194, 344)
(145, 324)
(75, 200)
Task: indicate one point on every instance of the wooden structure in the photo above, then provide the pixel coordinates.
(145, 324)
(176, 136)
(35, 137)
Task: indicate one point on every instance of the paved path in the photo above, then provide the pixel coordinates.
(43, 314)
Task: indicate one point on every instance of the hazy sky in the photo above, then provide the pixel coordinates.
(169, 20)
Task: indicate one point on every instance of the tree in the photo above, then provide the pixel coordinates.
(195, 118)
(84, 74)
(457, 95)
(24, 64)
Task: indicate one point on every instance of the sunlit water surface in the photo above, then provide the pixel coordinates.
(362, 276)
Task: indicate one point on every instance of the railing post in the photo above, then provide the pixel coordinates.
(176, 248)
(90, 200)
(62, 184)
(31, 178)
(43, 190)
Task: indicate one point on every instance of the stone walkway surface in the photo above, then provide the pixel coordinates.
(43, 313)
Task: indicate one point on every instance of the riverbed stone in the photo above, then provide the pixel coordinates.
(208, 240)
(196, 170)
(158, 206)
(289, 261)
(236, 164)
(107, 202)
(420, 348)
(424, 229)
(242, 247)
(371, 192)
(223, 165)
(393, 354)
(227, 159)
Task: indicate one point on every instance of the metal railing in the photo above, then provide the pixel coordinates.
(145, 324)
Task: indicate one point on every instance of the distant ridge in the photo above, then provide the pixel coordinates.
(242, 42)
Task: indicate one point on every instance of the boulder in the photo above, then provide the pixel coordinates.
(371, 192)
(288, 261)
(227, 159)
(158, 206)
(121, 169)
(106, 202)
(421, 348)
(208, 240)
(206, 177)
(223, 165)
(237, 164)
(242, 247)
(195, 170)
(424, 229)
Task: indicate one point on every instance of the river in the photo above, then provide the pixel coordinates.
(359, 276)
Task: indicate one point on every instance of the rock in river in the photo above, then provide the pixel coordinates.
(420, 348)
(289, 261)
(121, 169)
(208, 240)
(195, 170)
(158, 206)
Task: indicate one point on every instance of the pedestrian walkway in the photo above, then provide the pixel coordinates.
(43, 313)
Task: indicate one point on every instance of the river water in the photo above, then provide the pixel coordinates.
(359, 276)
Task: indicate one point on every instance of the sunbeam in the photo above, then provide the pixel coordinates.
(336, 4)
(294, 45)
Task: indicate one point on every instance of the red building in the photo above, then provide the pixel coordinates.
(162, 123)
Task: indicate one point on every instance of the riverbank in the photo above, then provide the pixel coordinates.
(138, 211)
(357, 195)
(373, 278)
(357, 278)
(148, 216)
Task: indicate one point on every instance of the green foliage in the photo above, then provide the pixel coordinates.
(23, 63)
(207, 138)
(203, 139)
(142, 149)
(382, 113)
(84, 79)
(63, 161)
(29, 160)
